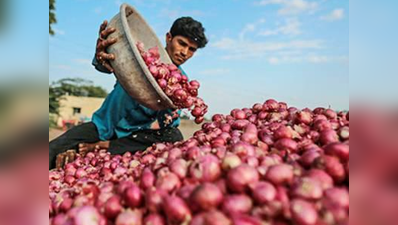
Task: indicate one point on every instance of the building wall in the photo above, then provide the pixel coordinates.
(87, 106)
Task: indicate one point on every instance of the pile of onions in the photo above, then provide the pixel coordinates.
(176, 86)
(268, 164)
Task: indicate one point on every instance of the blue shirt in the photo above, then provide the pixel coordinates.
(120, 115)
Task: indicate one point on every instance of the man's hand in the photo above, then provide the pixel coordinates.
(100, 54)
(85, 148)
(64, 158)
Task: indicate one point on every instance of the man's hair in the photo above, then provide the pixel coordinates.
(190, 28)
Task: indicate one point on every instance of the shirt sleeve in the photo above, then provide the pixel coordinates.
(99, 67)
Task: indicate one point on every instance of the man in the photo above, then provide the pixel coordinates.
(121, 124)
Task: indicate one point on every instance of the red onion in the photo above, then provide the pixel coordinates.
(168, 182)
(330, 114)
(318, 110)
(332, 166)
(147, 178)
(270, 105)
(263, 192)
(237, 204)
(286, 144)
(206, 196)
(113, 207)
(154, 219)
(304, 117)
(283, 132)
(280, 174)
(338, 196)
(340, 150)
(154, 199)
(176, 209)
(179, 167)
(303, 212)
(61, 219)
(133, 196)
(320, 175)
(206, 168)
(328, 136)
(243, 149)
(212, 217)
(344, 133)
(307, 188)
(246, 220)
(129, 217)
(240, 177)
(322, 124)
(308, 157)
(87, 215)
(257, 107)
(230, 161)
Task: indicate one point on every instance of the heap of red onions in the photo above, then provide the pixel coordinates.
(268, 164)
(176, 86)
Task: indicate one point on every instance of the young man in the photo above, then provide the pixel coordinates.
(121, 124)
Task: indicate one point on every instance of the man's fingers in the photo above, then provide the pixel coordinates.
(102, 44)
(83, 150)
(106, 56)
(108, 66)
(103, 26)
(110, 41)
(71, 156)
(60, 161)
(105, 33)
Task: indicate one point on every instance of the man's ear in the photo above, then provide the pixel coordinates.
(168, 37)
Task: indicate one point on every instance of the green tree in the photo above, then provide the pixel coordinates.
(74, 87)
(52, 17)
(54, 98)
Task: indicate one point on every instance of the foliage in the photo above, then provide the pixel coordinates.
(52, 18)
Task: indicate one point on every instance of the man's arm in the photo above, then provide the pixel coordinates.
(101, 58)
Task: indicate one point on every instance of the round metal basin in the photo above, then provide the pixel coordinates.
(129, 67)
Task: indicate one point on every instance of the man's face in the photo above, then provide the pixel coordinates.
(180, 48)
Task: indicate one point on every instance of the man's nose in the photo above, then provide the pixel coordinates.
(184, 51)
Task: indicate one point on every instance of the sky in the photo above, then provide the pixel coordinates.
(296, 51)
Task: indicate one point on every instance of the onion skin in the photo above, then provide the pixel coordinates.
(339, 150)
(307, 188)
(206, 196)
(280, 174)
(176, 209)
(332, 166)
(129, 217)
(87, 215)
(263, 192)
(133, 196)
(303, 212)
(113, 207)
(338, 196)
(240, 177)
(237, 204)
(206, 169)
(154, 219)
(325, 179)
